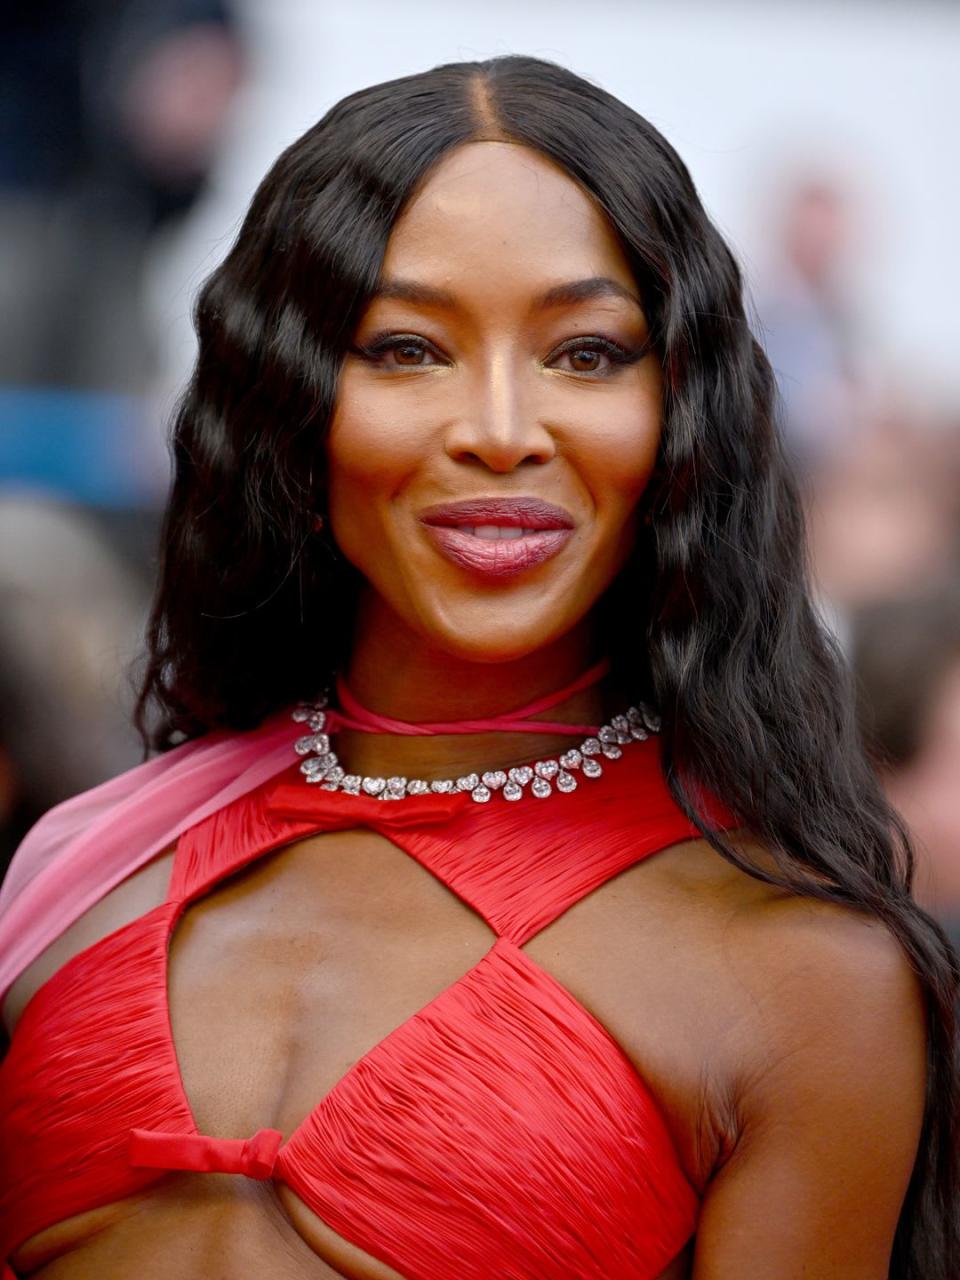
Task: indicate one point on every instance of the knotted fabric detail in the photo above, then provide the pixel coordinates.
(254, 1157)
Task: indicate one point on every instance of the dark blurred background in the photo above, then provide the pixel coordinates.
(822, 138)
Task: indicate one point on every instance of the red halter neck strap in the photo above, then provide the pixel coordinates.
(351, 714)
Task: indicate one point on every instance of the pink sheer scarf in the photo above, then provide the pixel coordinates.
(86, 846)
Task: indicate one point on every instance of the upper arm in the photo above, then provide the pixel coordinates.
(829, 1102)
(133, 897)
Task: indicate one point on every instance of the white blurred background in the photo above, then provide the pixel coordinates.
(753, 95)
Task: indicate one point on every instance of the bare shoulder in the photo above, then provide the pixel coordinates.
(823, 1054)
(838, 1009)
(807, 962)
(803, 964)
(134, 897)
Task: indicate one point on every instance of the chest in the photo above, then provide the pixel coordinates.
(286, 977)
(489, 1020)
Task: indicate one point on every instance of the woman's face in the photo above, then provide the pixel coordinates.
(496, 422)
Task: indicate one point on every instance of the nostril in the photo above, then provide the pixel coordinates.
(501, 462)
(499, 443)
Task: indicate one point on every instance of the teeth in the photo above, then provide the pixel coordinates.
(493, 532)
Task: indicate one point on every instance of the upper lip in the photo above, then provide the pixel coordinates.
(507, 513)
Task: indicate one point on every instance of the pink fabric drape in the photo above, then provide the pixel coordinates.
(86, 846)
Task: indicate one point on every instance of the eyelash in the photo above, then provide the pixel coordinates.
(619, 356)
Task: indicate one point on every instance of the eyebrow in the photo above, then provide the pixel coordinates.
(560, 295)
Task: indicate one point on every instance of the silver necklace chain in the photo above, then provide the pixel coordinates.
(322, 767)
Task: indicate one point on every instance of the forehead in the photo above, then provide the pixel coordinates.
(502, 208)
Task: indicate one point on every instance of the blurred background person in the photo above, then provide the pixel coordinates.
(110, 117)
(71, 617)
(809, 324)
(110, 114)
(906, 659)
(883, 513)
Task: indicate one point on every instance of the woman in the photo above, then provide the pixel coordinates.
(479, 440)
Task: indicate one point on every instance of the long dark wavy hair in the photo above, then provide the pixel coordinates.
(254, 609)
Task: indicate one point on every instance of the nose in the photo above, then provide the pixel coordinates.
(498, 425)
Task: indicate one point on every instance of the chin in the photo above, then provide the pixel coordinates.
(494, 637)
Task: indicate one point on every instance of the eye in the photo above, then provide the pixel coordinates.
(593, 355)
(400, 351)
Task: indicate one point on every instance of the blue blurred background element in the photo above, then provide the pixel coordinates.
(74, 442)
(822, 140)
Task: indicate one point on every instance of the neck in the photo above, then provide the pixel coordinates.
(397, 675)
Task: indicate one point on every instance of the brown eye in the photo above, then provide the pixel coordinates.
(586, 360)
(410, 353)
(592, 356)
(400, 351)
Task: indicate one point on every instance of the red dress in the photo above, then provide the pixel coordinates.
(500, 1131)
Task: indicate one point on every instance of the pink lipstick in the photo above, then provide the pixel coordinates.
(498, 537)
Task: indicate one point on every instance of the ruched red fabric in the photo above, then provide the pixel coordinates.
(500, 1130)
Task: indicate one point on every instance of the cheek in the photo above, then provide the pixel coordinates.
(361, 451)
(371, 453)
(616, 456)
(623, 461)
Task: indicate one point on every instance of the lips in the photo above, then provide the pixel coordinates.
(522, 513)
(498, 537)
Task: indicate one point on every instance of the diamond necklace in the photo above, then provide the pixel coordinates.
(563, 772)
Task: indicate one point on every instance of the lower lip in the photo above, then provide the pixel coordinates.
(497, 557)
